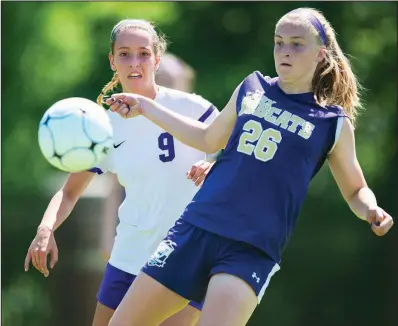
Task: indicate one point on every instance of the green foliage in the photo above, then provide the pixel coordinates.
(54, 50)
(21, 306)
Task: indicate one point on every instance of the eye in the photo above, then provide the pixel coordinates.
(145, 54)
(123, 54)
(297, 44)
(278, 43)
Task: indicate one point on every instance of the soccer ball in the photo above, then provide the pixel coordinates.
(75, 134)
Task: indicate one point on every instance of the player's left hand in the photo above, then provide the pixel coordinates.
(199, 171)
(125, 104)
(380, 221)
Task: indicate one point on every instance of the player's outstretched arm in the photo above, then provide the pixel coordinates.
(348, 174)
(59, 208)
(208, 139)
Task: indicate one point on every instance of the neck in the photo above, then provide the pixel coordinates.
(149, 92)
(296, 87)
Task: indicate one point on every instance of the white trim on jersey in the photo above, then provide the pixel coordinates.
(213, 157)
(339, 126)
(264, 287)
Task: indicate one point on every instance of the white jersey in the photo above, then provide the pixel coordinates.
(152, 166)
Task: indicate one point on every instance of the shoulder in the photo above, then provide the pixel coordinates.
(202, 109)
(259, 77)
(344, 135)
(337, 110)
(196, 104)
(176, 95)
(253, 82)
(171, 93)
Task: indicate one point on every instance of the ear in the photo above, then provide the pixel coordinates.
(321, 54)
(157, 62)
(112, 61)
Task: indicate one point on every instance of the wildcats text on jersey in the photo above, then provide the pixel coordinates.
(261, 106)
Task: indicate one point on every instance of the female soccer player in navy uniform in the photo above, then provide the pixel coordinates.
(277, 133)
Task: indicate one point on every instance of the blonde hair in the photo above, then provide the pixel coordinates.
(159, 47)
(334, 82)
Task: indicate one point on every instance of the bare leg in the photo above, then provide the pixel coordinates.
(229, 301)
(186, 317)
(102, 315)
(148, 303)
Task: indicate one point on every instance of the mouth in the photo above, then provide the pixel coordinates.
(285, 65)
(134, 75)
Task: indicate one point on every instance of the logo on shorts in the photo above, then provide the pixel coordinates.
(254, 275)
(159, 257)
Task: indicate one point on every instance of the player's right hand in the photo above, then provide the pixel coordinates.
(42, 245)
(125, 104)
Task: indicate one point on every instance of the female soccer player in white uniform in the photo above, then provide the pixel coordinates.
(173, 73)
(150, 164)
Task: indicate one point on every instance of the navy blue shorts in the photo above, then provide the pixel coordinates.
(114, 286)
(186, 259)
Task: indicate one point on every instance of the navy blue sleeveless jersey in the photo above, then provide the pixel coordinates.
(255, 190)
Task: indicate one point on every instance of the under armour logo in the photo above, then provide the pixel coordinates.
(254, 275)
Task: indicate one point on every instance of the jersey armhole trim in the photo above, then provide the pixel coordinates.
(207, 113)
(212, 157)
(339, 126)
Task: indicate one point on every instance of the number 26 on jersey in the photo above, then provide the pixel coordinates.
(267, 141)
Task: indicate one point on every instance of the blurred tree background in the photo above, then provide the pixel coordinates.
(335, 272)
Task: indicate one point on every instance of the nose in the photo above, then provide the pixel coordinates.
(285, 50)
(134, 62)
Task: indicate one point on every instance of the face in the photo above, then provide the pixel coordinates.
(296, 52)
(134, 60)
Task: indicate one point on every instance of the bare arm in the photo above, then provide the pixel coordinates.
(57, 211)
(349, 177)
(63, 202)
(348, 174)
(208, 139)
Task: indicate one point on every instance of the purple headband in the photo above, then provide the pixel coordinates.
(314, 22)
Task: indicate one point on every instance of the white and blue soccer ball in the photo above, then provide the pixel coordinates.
(75, 134)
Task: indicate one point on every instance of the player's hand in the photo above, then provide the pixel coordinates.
(199, 172)
(125, 104)
(380, 221)
(42, 245)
